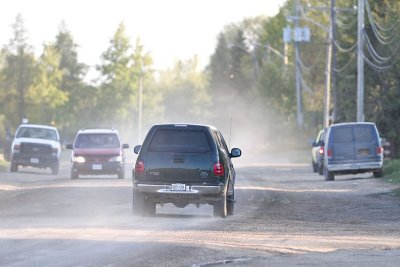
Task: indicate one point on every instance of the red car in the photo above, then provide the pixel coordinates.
(97, 152)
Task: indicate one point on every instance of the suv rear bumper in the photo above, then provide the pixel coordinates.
(192, 190)
(161, 194)
(354, 166)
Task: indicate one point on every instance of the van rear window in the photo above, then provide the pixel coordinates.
(179, 141)
(363, 134)
(343, 135)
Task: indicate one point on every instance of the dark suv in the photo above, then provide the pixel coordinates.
(97, 151)
(184, 164)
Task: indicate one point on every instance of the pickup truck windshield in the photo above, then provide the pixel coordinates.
(35, 132)
(179, 141)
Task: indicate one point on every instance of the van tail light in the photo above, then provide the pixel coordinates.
(219, 169)
(379, 150)
(329, 153)
(139, 167)
(321, 150)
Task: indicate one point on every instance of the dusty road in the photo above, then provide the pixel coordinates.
(285, 216)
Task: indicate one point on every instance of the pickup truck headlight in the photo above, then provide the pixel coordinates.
(116, 159)
(54, 152)
(16, 149)
(78, 159)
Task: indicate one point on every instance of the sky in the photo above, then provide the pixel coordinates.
(170, 30)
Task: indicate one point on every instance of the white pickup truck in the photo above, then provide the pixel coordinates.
(36, 146)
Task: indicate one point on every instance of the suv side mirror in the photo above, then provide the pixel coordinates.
(125, 146)
(137, 148)
(69, 146)
(314, 144)
(235, 152)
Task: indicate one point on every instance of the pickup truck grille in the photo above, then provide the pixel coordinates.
(37, 150)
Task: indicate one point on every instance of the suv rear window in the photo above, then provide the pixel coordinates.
(179, 141)
(97, 141)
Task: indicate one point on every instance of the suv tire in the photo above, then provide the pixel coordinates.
(149, 208)
(74, 175)
(13, 166)
(121, 174)
(56, 167)
(221, 207)
(138, 203)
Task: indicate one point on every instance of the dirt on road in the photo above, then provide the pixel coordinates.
(285, 215)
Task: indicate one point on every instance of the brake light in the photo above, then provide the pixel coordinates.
(139, 167)
(219, 169)
(329, 153)
(321, 150)
(379, 150)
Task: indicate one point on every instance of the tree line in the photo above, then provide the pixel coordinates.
(246, 90)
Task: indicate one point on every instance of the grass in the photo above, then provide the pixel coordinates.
(3, 165)
(391, 170)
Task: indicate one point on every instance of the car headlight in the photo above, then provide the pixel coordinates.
(116, 159)
(78, 159)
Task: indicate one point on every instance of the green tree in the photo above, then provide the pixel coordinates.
(44, 95)
(116, 76)
(78, 112)
(17, 74)
(122, 69)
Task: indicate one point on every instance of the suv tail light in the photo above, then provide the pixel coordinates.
(219, 169)
(379, 150)
(321, 150)
(139, 167)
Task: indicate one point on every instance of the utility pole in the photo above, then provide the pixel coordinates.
(334, 63)
(300, 118)
(360, 62)
(328, 70)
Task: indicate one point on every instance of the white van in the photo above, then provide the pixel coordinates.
(352, 148)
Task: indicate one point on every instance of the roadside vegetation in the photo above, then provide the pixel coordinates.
(391, 170)
(250, 76)
(3, 165)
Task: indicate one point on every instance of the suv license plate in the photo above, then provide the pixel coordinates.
(97, 167)
(34, 160)
(178, 187)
